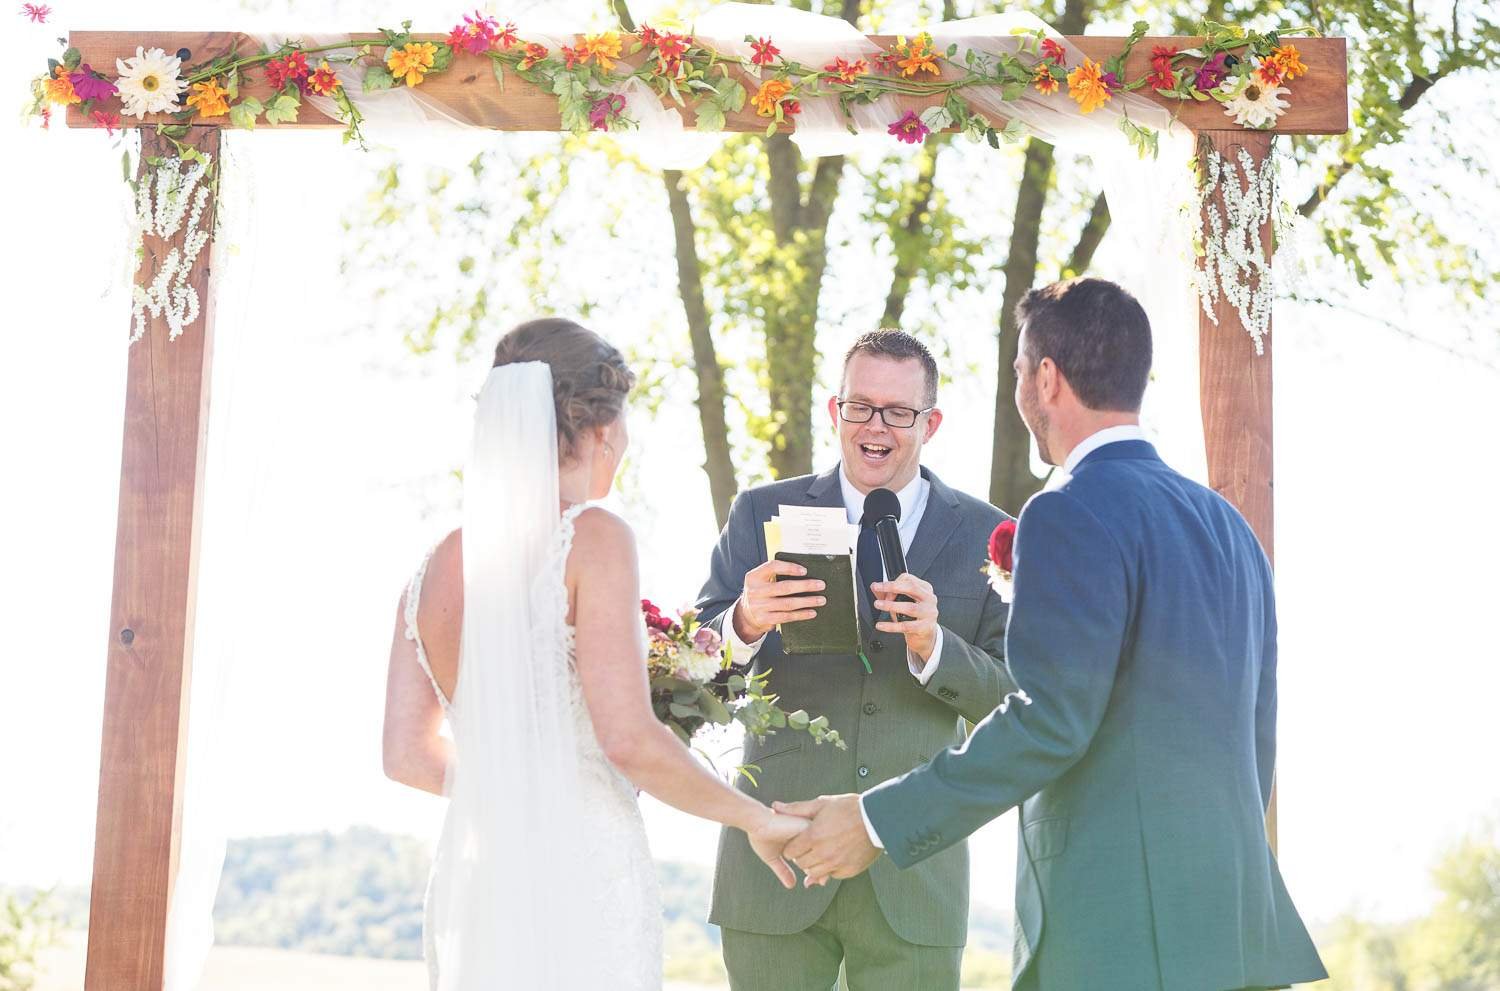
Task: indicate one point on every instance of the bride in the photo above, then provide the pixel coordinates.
(543, 878)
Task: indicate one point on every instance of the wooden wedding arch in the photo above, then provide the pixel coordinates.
(142, 754)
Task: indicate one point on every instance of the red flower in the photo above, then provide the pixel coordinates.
(479, 33)
(649, 36)
(790, 108)
(1053, 50)
(110, 122)
(508, 38)
(323, 81)
(36, 13)
(886, 62)
(765, 52)
(1270, 72)
(1162, 75)
(293, 67)
(571, 56)
(1002, 545)
(46, 118)
(670, 48)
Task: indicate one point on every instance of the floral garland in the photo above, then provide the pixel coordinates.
(160, 212)
(1244, 71)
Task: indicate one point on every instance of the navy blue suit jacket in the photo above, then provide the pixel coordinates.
(1143, 631)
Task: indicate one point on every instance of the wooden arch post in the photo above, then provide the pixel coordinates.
(149, 657)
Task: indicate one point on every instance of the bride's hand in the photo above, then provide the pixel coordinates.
(771, 837)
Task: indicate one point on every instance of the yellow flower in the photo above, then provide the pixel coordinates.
(209, 99)
(769, 95)
(1290, 61)
(412, 61)
(603, 47)
(60, 88)
(918, 57)
(1086, 85)
(1046, 82)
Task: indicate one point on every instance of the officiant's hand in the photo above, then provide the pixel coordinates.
(917, 620)
(769, 840)
(836, 845)
(766, 603)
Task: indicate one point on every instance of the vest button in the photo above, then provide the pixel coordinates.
(864, 772)
(870, 708)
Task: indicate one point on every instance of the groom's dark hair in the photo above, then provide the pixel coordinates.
(1098, 336)
(898, 346)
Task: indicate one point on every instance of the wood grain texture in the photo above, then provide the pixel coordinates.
(1319, 100)
(149, 658)
(1235, 395)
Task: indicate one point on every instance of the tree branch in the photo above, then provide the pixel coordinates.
(917, 207)
(1089, 239)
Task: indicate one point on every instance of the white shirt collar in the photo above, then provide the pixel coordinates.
(1094, 441)
(913, 498)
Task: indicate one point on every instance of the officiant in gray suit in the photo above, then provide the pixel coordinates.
(935, 661)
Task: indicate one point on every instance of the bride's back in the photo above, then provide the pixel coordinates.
(440, 611)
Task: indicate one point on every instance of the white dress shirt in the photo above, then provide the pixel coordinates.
(1085, 447)
(913, 498)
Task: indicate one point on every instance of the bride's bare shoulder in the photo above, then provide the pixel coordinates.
(600, 534)
(441, 604)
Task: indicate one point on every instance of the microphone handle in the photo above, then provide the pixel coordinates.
(888, 535)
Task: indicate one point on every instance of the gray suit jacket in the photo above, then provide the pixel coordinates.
(891, 722)
(1144, 632)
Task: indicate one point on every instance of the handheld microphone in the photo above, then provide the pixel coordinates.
(883, 509)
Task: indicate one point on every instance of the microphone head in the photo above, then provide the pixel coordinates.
(881, 503)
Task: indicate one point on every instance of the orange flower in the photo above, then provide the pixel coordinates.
(534, 54)
(209, 98)
(604, 48)
(1270, 72)
(919, 56)
(846, 72)
(60, 88)
(1086, 85)
(770, 94)
(322, 81)
(1290, 61)
(412, 61)
(1045, 81)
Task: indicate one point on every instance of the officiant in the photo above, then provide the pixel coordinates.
(930, 655)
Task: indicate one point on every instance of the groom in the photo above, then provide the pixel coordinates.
(938, 663)
(1143, 631)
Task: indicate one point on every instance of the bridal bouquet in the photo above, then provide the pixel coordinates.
(693, 687)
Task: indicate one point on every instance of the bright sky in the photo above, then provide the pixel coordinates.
(328, 478)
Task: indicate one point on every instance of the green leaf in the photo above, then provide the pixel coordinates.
(1014, 131)
(125, 166)
(937, 118)
(499, 68)
(282, 108)
(685, 711)
(243, 114)
(378, 77)
(798, 720)
(71, 58)
(681, 733)
(710, 121)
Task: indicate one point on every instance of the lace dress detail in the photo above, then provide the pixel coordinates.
(622, 909)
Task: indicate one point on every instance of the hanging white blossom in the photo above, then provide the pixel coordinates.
(1236, 260)
(165, 197)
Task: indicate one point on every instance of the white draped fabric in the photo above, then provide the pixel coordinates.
(1151, 203)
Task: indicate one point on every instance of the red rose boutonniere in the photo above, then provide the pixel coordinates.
(1001, 566)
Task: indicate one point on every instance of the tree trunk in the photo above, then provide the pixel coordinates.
(719, 462)
(917, 206)
(1011, 480)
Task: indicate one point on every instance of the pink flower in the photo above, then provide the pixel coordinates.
(707, 641)
(909, 129)
(36, 13)
(1211, 74)
(606, 109)
(90, 86)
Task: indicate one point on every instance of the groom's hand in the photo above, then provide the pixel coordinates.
(917, 620)
(766, 603)
(836, 844)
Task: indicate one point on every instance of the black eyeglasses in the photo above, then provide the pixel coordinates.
(894, 416)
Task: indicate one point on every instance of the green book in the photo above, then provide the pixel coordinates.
(835, 629)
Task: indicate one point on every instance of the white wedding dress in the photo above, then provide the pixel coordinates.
(543, 879)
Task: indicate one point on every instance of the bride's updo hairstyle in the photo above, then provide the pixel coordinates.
(590, 379)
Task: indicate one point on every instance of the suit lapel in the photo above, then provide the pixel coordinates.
(939, 520)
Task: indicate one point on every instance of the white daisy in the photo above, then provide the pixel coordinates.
(1255, 105)
(149, 82)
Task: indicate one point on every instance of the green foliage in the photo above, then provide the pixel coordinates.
(27, 927)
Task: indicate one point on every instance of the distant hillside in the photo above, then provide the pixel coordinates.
(359, 893)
